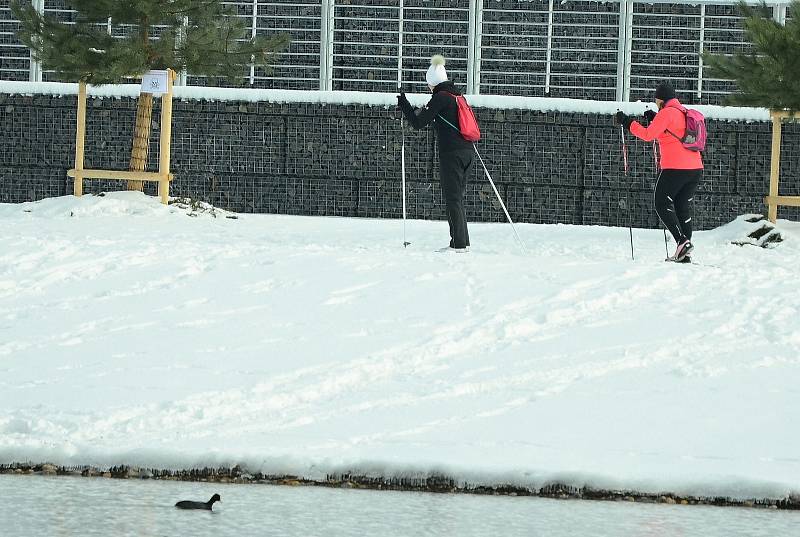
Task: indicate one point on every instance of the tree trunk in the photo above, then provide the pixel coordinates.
(141, 138)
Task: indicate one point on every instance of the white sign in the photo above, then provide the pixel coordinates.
(155, 82)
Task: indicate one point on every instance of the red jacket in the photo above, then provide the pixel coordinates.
(673, 155)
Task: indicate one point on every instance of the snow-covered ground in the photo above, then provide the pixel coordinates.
(132, 333)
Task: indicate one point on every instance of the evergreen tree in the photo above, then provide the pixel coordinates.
(201, 37)
(769, 75)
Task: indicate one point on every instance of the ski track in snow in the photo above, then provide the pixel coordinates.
(129, 330)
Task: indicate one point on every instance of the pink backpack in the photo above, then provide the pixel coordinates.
(694, 139)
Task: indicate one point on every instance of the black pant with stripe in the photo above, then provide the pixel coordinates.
(673, 200)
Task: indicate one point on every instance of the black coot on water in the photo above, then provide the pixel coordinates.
(187, 504)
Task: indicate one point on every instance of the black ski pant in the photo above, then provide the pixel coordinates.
(673, 200)
(455, 167)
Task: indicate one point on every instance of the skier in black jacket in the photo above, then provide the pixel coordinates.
(456, 155)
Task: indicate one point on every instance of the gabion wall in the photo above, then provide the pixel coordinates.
(344, 160)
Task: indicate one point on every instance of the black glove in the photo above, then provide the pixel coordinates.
(649, 116)
(622, 119)
(401, 100)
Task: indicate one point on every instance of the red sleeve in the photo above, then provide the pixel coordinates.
(657, 127)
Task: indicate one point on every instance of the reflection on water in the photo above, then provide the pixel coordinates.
(67, 506)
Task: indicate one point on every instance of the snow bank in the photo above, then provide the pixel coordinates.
(378, 99)
(133, 334)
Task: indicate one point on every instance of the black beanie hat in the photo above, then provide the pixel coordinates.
(664, 92)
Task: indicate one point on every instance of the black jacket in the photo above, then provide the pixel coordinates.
(441, 104)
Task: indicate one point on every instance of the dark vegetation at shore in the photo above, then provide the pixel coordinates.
(432, 483)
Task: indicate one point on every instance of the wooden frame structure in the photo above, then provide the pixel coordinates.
(774, 199)
(162, 176)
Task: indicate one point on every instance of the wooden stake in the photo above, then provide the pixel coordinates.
(786, 201)
(125, 176)
(775, 166)
(79, 140)
(166, 138)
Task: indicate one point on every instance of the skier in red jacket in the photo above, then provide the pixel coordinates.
(680, 168)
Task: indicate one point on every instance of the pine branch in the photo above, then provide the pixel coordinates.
(769, 75)
(214, 42)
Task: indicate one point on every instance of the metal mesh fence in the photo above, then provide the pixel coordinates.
(668, 40)
(665, 42)
(243, 10)
(367, 42)
(723, 35)
(61, 10)
(298, 66)
(366, 45)
(563, 49)
(584, 50)
(601, 50)
(513, 35)
(435, 27)
(15, 59)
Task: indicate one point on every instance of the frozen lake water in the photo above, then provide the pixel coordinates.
(66, 506)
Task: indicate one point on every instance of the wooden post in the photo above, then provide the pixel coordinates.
(165, 141)
(775, 166)
(137, 175)
(79, 139)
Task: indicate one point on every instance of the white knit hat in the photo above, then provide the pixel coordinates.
(436, 73)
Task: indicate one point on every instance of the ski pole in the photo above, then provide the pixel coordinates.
(625, 163)
(402, 128)
(655, 158)
(655, 154)
(503, 205)
(403, 172)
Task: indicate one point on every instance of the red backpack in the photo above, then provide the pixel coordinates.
(468, 125)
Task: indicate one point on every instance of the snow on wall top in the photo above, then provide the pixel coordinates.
(377, 99)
